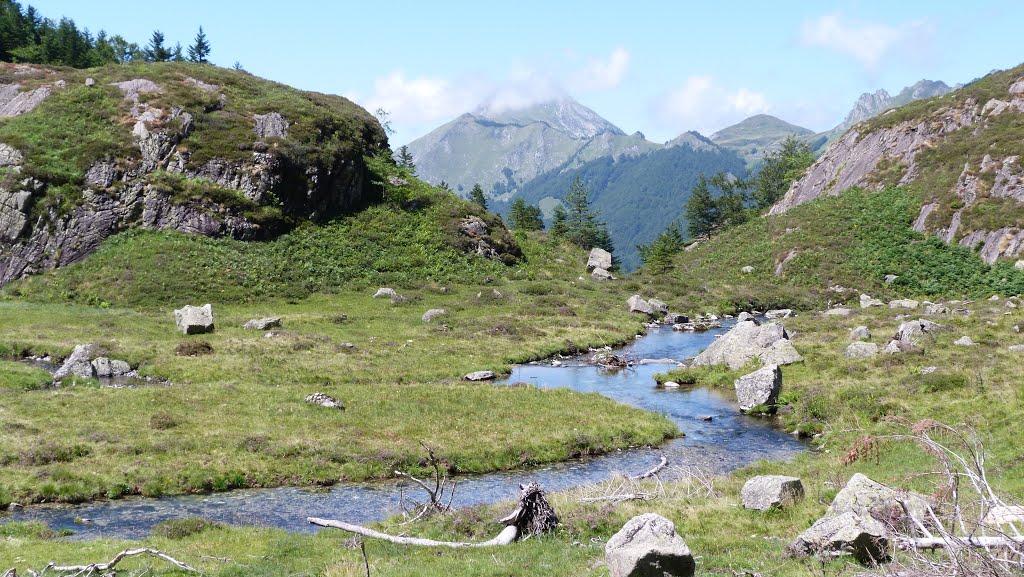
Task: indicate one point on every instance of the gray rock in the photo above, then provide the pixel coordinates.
(911, 331)
(599, 258)
(936, 309)
(964, 341)
(1004, 515)
(839, 312)
(78, 363)
(1015, 348)
(324, 400)
(861, 350)
(904, 304)
(101, 367)
(10, 156)
(778, 314)
(747, 269)
(745, 316)
(601, 274)
(765, 492)
(860, 333)
(385, 292)
(761, 387)
(90, 82)
(648, 546)
(639, 305)
(263, 324)
(747, 341)
(13, 102)
(867, 302)
(676, 318)
(658, 306)
(119, 368)
(432, 313)
(890, 278)
(895, 346)
(132, 88)
(1019, 265)
(14, 214)
(194, 320)
(271, 125)
(866, 539)
(868, 498)
(480, 376)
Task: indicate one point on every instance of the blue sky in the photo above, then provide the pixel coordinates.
(658, 67)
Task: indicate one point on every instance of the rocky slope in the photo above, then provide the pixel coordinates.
(194, 148)
(959, 152)
(501, 149)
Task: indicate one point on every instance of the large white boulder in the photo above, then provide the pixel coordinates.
(648, 545)
(761, 387)
(747, 341)
(765, 492)
(194, 320)
(599, 258)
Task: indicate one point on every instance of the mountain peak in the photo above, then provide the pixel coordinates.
(870, 105)
(563, 114)
(752, 137)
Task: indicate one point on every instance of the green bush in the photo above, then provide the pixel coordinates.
(181, 528)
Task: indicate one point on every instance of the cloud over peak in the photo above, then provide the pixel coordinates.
(866, 42)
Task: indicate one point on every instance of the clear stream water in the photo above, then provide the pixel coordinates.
(728, 441)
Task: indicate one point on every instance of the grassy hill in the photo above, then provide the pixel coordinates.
(751, 138)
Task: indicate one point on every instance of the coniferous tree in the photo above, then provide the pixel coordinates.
(405, 160)
(582, 226)
(779, 169)
(559, 222)
(702, 212)
(200, 49)
(444, 186)
(177, 55)
(522, 216)
(657, 255)
(477, 195)
(156, 51)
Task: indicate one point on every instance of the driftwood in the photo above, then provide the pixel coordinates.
(436, 495)
(10, 573)
(86, 570)
(533, 516)
(653, 471)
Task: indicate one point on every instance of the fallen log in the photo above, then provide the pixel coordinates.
(91, 568)
(507, 535)
(651, 472)
(12, 572)
(618, 498)
(980, 542)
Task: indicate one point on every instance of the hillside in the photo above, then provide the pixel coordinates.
(172, 146)
(637, 196)
(754, 136)
(500, 148)
(958, 154)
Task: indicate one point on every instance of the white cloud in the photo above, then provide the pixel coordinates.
(604, 73)
(866, 42)
(701, 103)
(420, 100)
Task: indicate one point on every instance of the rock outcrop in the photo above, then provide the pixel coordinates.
(648, 545)
(747, 341)
(765, 492)
(861, 350)
(866, 539)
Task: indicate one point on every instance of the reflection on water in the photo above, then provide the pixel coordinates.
(727, 441)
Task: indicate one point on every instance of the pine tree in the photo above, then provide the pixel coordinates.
(779, 169)
(582, 227)
(444, 186)
(156, 51)
(200, 49)
(522, 216)
(177, 55)
(559, 222)
(405, 160)
(477, 195)
(702, 214)
(657, 255)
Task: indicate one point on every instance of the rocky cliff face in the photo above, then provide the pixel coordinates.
(196, 160)
(918, 145)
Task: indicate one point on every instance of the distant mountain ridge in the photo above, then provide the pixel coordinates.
(753, 137)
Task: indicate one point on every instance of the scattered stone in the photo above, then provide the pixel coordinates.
(866, 302)
(839, 312)
(670, 385)
(928, 370)
(1019, 265)
(430, 314)
(747, 269)
(896, 346)
(778, 314)
(601, 274)
(480, 376)
(707, 418)
(639, 305)
(847, 534)
(861, 333)
(993, 298)
(761, 387)
(868, 498)
(765, 492)
(890, 278)
(936, 309)
(903, 304)
(599, 258)
(1010, 305)
(746, 341)
(964, 341)
(194, 320)
(78, 363)
(664, 361)
(1016, 328)
(676, 318)
(860, 350)
(909, 331)
(397, 181)
(263, 324)
(385, 292)
(326, 401)
(648, 545)
(1016, 348)
(90, 82)
(658, 306)
(745, 316)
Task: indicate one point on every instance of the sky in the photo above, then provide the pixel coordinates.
(658, 67)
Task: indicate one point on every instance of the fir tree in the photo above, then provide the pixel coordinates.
(199, 49)
(522, 216)
(156, 51)
(702, 213)
(477, 195)
(445, 186)
(177, 54)
(405, 160)
(559, 222)
(657, 255)
(582, 227)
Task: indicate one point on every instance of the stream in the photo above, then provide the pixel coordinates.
(725, 442)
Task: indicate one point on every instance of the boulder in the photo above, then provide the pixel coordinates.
(1015, 348)
(910, 331)
(324, 400)
(964, 341)
(194, 320)
(1019, 265)
(890, 278)
(385, 292)
(745, 316)
(860, 333)
(101, 367)
(761, 387)
(676, 318)
(429, 315)
(601, 274)
(480, 376)
(78, 363)
(271, 125)
(936, 309)
(599, 258)
(849, 533)
(894, 346)
(639, 305)
(765, 492)
(746, 341)
(263, 324)
(839, 312)
(861, 350)
(119, 368)
(658, 306)
(648, 545)
(778, 314)
(867, 498)
(747, 269)
(867, 302)
(903, 304)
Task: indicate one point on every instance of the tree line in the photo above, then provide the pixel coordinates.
(27, 36)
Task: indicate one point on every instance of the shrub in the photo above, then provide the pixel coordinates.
(181, 528)
(193, 348)
(162, 422)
